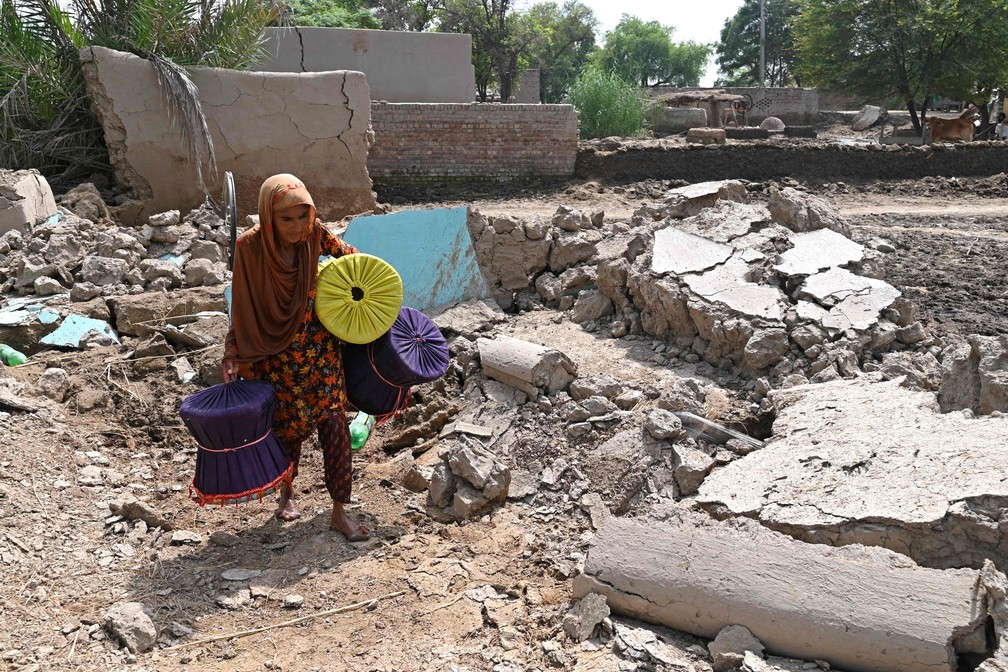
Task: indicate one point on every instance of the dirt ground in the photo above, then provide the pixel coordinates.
(488, 594)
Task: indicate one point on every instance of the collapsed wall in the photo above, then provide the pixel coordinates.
(314, 125)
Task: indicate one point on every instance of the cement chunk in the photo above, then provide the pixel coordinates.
(827, 474)
(679, 252)
(526, 366)
(25, 198)
(857, 608)
(855, 302)
(814, 251)
(728, 284)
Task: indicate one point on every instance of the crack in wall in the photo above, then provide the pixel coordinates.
(346, 97)
(301, 45)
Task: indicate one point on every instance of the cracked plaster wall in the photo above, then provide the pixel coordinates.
(316, 126)
(401, 67)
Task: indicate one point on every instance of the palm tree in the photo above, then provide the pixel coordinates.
(46, 120)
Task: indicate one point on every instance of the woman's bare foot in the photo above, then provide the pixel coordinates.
(287, 507)
(351, 529)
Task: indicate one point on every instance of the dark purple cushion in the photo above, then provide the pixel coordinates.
(379, 374)
(239, 458)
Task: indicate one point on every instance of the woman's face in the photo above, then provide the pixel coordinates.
(292, 224)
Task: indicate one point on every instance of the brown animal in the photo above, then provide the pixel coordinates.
(960, 128)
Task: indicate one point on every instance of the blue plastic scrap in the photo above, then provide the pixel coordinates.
(432, 251)
(73, 328)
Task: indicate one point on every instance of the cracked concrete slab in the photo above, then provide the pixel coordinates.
(680, 252)
(854, 302)
(818, 250)
(254, 118)
(855, 607)
(729, 284)
(827, 474)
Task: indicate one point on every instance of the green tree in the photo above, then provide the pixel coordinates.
(46, 120)
(564, 37)
(501, 40)
(643, 52)
(912, 49)
(411, 15)
(738, 51)
(330, 14)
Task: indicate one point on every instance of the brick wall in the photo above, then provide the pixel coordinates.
(418, 142)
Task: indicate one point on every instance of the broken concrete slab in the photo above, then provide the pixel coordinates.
(868, 116)
(691, 199)
(855, 607)
(25, 198)
(529, 367)
(854, 301)
(725, 221)
(818, 250)
(827, 474)
(438, 267)
(729, 284)
(249, 115)
(76, 331)
(679, 252)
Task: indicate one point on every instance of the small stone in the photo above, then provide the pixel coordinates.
(293, 601)
(185, 538)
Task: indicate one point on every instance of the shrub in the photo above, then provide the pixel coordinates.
(608, 105)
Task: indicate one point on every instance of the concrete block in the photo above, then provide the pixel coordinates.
(25, 198)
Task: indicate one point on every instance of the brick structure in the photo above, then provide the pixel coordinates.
(419, 142)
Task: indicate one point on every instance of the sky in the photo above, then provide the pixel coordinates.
(699, 21)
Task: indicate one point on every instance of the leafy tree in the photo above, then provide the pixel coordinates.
(46, 120)
(909, 48)
(643, 52)
(501, 39)
(564, 38)
(330, 14)
(412, 15)
(738, 51)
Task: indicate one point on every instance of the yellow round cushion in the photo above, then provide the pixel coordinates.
(358, 297)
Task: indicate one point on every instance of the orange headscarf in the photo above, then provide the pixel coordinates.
(268, 295)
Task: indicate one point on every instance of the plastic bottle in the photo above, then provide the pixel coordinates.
(360, 429)
(10, 356)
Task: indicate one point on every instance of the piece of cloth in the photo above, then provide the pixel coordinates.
(269, 295)
(239, 457)
(337, 459)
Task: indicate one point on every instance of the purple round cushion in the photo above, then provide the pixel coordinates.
(239, 458)
(379, 374)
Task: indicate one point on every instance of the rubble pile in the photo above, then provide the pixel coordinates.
(84, 252)
(662, 419)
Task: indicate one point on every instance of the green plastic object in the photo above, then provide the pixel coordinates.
(360, 429)
(11, 357)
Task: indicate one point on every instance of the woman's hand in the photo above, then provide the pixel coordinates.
(229, 370)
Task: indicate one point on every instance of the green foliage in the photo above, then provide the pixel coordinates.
(643, 52)
(564, 38)
(414, 15)
(330, 14)
(607, 104)
(909, 48)
(738, 51)
(501, 40)
(47, 122)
